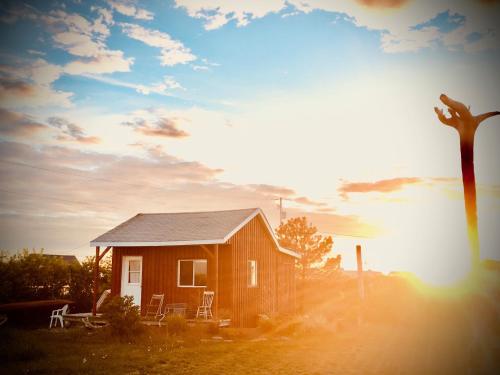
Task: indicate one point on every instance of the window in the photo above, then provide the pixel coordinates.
(134, 271)
(252, 273)
(192, 273)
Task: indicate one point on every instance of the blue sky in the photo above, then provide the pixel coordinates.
(230, 104)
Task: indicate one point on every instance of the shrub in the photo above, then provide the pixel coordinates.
(265, 323)
(176, 324)
(213, 328)
(123, 316)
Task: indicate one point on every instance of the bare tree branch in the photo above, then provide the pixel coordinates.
(458, 107)
(445, 120)
(484, 116)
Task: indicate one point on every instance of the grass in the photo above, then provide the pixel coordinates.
(403, 332)
(370, 349)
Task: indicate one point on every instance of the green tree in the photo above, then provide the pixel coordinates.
(81, 284)
(29, 275)
(299, 235)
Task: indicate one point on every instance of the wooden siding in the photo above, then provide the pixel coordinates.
(275, 292)
(159, 273)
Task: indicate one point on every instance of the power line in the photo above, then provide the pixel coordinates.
(346, 235)
(81, 175)
(52, 198)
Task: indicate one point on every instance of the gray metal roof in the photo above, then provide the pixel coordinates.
(177, 227)
(181, 228)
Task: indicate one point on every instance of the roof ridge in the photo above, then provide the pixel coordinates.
(198, 212)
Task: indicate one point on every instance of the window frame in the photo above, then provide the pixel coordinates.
(249, 285)
(193, 277)
(128, 271)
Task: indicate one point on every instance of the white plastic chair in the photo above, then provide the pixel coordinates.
(205, 309)
(57, 315)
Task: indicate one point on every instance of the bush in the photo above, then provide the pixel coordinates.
(213, 328)
(265, 323)
(176, 324)
(123, 316)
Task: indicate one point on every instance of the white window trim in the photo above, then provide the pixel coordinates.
(130, 258)
(179, 272)
(256, 274)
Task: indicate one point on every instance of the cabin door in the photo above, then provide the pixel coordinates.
(132, 277)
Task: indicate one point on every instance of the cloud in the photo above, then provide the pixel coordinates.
(163, 127)
(329, 223)
(382, 186)
(200, 67)
(164, 87)
(15, 87)
(272, 190)
(217, 13)
(60, 197)
(309, 202)
(29, 84)
(105, 62)
(173, 52)
(129, 8)
(16, 124)
(399, 22)
(81, 37)
(75, 34)
(70, 131)
(35, 52)
(383, 3)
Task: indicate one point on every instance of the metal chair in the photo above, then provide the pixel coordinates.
(153, 309)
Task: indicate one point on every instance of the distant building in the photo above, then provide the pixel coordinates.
(69, 259)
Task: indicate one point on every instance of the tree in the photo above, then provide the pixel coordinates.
(297, 235)
(29, 275)
(466, 124)
(82, 282)
(333, 264)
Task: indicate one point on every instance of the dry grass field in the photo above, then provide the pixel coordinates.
(402, 332)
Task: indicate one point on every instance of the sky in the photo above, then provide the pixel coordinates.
(111, 108)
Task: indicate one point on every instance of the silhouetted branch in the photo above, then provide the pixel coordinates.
(484, 116)
(458, 108)
(445, 120)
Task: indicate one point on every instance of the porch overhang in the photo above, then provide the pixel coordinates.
(180, 243)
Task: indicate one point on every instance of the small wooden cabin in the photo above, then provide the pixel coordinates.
(233, 253)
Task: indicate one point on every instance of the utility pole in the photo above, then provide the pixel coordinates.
(282, 213)
(361, 284)
(281, 210)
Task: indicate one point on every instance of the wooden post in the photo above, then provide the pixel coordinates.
(96, 281)
(361, 284)
(216, 299)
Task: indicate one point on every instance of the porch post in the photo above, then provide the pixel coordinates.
(96, 280)
(216, 299)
